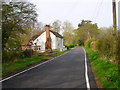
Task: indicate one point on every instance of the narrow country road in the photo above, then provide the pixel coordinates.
(65, 71)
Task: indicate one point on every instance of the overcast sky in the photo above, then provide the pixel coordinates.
(98, 11)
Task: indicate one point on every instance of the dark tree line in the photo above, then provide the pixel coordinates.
(18, 20)
(16, 17)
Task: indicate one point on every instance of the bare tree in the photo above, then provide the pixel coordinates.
(68, 33)
(56, 25)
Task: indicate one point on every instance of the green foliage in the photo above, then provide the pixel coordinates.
(112, 75)
(104, 45)
(69, 46)
(80, 43)
(10, 67)
(118, 46)
(68, 36)
(67, 40)
(12, 55)
(83, 22)
(27, 53)
(16, 16)
(9, 56)
(18, 64)
(86, 30)
(89, 43)
(106, 71)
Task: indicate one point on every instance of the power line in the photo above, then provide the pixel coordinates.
(95, 9)
(71, 9)
(98, 10)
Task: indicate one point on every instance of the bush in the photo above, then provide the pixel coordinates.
(80, 43)
(118, 47)
(112, 75)
(9, 56)
(13, 55)
(104, 45)
(26, 54)
(89, 43)
(69, 46)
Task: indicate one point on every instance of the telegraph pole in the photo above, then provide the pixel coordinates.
(114, 30)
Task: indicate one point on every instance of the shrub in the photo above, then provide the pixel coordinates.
(104, 45)
(112, 75)
(27, 53)
(98, 45)
(9, 56)
(89, 43)
(69, 46)
(80, 43)
(12, 55)
(118, 47)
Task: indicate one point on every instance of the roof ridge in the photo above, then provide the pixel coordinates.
(56, 33)
(38, 34)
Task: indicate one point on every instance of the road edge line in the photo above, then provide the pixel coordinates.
(86, 71)
(31, 68)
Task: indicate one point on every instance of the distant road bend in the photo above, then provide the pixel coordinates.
(65, 71)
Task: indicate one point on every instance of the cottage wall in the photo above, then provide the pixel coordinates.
(53, 38)
(56, 42)
(41, 41)
(59, 43)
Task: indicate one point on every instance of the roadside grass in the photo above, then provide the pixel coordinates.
(53, 54)
(11, 67)
(106, 71)
(56, 54)
(44, 53)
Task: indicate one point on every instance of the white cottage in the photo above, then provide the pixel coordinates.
(48, 40)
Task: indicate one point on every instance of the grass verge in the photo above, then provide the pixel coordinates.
(20, 64)
(106, 71)
(11, 67)
(56, 54)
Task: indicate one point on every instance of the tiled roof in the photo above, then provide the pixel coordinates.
(56, 34)
(37, 35)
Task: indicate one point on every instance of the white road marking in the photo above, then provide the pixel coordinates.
(86, 72)
(31, 68)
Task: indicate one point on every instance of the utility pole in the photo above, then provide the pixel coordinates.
(114, 30)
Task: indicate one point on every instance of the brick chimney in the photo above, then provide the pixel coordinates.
(47, 27)
(48, 38)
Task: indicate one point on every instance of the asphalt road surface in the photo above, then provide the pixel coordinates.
(65, 71)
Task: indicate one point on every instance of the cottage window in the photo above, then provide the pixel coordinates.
(38, 47)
